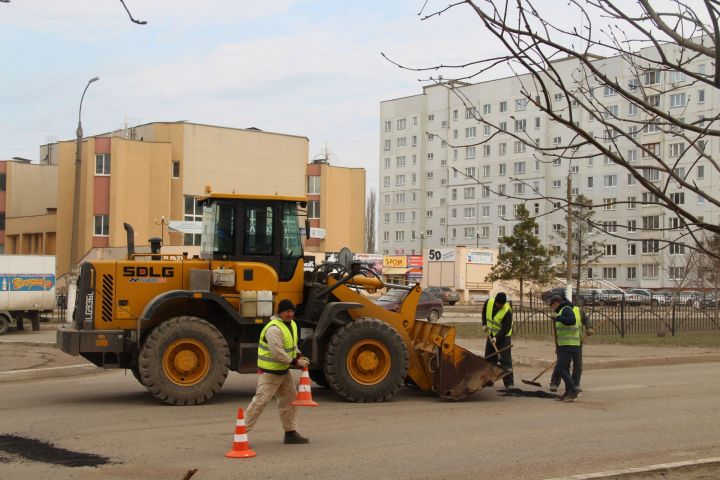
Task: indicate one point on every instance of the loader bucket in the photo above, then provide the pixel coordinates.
(462, 372)
(452, 371)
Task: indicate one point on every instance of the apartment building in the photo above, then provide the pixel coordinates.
(444, 174)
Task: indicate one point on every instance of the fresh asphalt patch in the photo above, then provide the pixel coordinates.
(516, 392)
(39, 451)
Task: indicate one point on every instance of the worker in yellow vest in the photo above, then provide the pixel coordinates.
(277, 353)
(497, 324)
(568, 326)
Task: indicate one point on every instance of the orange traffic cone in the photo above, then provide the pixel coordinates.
(241, 446)
(304, 397)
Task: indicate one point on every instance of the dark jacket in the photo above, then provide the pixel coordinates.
(506, 323)
(567, 317)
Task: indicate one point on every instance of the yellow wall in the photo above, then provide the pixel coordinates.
(139, 190)
(342, 208)
(31, 200)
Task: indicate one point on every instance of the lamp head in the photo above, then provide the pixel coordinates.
(94, 79)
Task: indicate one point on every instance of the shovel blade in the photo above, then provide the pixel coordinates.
(530, 382)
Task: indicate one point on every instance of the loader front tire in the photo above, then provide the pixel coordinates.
(366, 361)
(184, 361)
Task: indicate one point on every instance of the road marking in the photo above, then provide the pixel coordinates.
(661, 466)
(49, 368)
(47, 372)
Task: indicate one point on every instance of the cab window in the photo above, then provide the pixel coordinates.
(258, 230)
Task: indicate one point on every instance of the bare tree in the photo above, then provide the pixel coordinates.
(370, 228)
(586, 250)
(661, 63)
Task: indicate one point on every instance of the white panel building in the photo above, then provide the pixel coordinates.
(427, 139)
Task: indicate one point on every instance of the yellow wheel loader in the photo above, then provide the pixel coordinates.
(180, 324)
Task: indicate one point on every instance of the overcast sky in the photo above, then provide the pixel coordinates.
(302, 67)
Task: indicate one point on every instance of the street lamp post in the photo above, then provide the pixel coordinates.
(477, 239)
(75, 234)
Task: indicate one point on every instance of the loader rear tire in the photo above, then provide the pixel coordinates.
(184, 361)
(366, 361)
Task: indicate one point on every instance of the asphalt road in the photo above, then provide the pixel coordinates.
(627, 417)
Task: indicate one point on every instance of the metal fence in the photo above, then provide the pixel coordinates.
(534, 317)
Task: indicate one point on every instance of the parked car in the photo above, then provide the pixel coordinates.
(709, 301)
(429, 307)
(591, 296)
(643, 295)
(612, 296)
(446, 294)
(545, 296)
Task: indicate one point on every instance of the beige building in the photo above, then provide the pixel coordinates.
(29, 206)
(150, 175)
(336, 207)
(462, 268)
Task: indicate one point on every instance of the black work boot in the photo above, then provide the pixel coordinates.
(294, 437)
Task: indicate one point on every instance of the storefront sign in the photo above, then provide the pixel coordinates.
(373, 261)
(317, 232)
(415, 261)
(483, 258)
(441, 255)
(394, 261)
(309, 264)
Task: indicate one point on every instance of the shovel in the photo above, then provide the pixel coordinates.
(537, 384)
(533, 381)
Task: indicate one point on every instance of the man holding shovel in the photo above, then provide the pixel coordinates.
(576, 365)
(567, 335)
(497, 325)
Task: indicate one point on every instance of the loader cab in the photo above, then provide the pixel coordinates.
(253, 228)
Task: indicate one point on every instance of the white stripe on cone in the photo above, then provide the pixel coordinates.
(303, 388)
(240, 422)
(240, 438)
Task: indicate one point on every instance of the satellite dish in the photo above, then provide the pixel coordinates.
(345, 257)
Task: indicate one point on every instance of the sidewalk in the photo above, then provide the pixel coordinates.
(27, 354)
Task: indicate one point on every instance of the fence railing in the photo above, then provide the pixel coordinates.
(533, 317)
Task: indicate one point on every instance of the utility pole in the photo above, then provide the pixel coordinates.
(568, 256)
(75, 234)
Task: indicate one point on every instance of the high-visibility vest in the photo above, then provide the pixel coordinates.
(568, 335)
(495, 322)
(265, 359)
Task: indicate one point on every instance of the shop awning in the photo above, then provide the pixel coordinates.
(415, 272)
(394, 271)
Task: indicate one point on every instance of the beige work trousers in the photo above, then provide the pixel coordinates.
(282, 387)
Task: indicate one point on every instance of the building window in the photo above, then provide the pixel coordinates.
(677, 249)
(3, 182)
(192, 213)
(388, 125)
(503, 106)
(631, 273)
(610, 273)
(610, 181)
(677, 100)
(2, 221)
(650, 246)
(102, 164)
(631, 249)
(313, 209)
(313, 185)
(176, 169)
(611, 250)
(102, 226)
(631, 226)
(650, 270)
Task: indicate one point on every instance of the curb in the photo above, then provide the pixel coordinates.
(626, 362)
(628, 472)
(49, 372)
